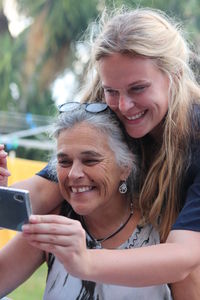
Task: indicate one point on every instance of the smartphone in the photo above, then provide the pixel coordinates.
(15, 208)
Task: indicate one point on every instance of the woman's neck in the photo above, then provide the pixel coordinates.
(110, 227)
(108, 217)
(157, 133)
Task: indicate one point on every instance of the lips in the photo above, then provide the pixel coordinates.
(81, 189)
(136, 116)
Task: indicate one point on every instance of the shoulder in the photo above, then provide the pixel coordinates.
(194, 119)
(193, 168)
(189, 216)
(194, 115)
(47, 173)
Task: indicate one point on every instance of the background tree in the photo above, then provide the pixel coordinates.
(32, 61)
(43, 51)
(10, 59)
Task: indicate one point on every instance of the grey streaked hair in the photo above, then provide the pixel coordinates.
(107, 123)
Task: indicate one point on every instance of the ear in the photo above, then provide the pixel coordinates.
(125, 173)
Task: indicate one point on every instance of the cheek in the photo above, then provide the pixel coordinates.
(113, 107)
(59, 173)
(62, 175)
(146, 99)
(119, 115)
(108, 179)
(165, 105)
(62, 182)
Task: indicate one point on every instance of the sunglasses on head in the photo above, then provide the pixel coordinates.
(94, 107)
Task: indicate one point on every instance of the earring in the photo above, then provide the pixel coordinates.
(123, 188)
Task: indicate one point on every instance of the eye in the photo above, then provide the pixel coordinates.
(64, 163)
(137, 89)
(91, 161)
(111, 92)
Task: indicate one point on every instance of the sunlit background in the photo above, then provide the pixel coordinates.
(43, 59)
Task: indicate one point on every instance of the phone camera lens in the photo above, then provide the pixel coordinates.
(19, 197)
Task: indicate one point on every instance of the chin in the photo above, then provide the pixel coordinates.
(136, 135)
(137, 132)
(82, 211)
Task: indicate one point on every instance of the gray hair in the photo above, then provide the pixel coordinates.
(107, 123)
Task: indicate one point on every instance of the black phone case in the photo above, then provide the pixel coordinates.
(15, 208)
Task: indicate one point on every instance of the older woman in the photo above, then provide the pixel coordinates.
(96, 172)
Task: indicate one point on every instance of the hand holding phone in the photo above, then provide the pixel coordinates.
(15, 208)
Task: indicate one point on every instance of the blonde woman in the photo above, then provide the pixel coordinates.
(140, 66)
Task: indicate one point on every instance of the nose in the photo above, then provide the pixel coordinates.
(76, 171)
(125, 103)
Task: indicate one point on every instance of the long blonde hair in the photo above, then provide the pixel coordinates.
(152, 34)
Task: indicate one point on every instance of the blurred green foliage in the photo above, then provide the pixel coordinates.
(45, 49)
(32, 61)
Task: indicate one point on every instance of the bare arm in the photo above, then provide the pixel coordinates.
(18, 260)
(157, 264)
(45, 194)
(189, 288)
(164, 263)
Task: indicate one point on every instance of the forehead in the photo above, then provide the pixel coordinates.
(83, 137)
(126, 69)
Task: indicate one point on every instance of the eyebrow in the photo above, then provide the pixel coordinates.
(61, 154)
(92, 153)
(129, 85)
(88, 153)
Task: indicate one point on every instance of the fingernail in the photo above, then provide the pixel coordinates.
(32, 218)
(25, 228)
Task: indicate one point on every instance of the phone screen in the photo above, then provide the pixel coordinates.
(15, 208)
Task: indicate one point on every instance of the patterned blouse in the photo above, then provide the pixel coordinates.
(62, 286)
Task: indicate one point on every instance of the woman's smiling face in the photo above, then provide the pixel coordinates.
(136, 90)
(88, 174)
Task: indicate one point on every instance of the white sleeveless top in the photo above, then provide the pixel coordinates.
(62, 286)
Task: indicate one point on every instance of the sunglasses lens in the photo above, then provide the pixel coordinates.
(96, 107)
(68, 106)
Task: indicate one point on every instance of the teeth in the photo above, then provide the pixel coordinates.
(81, 189)
(136, 116)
